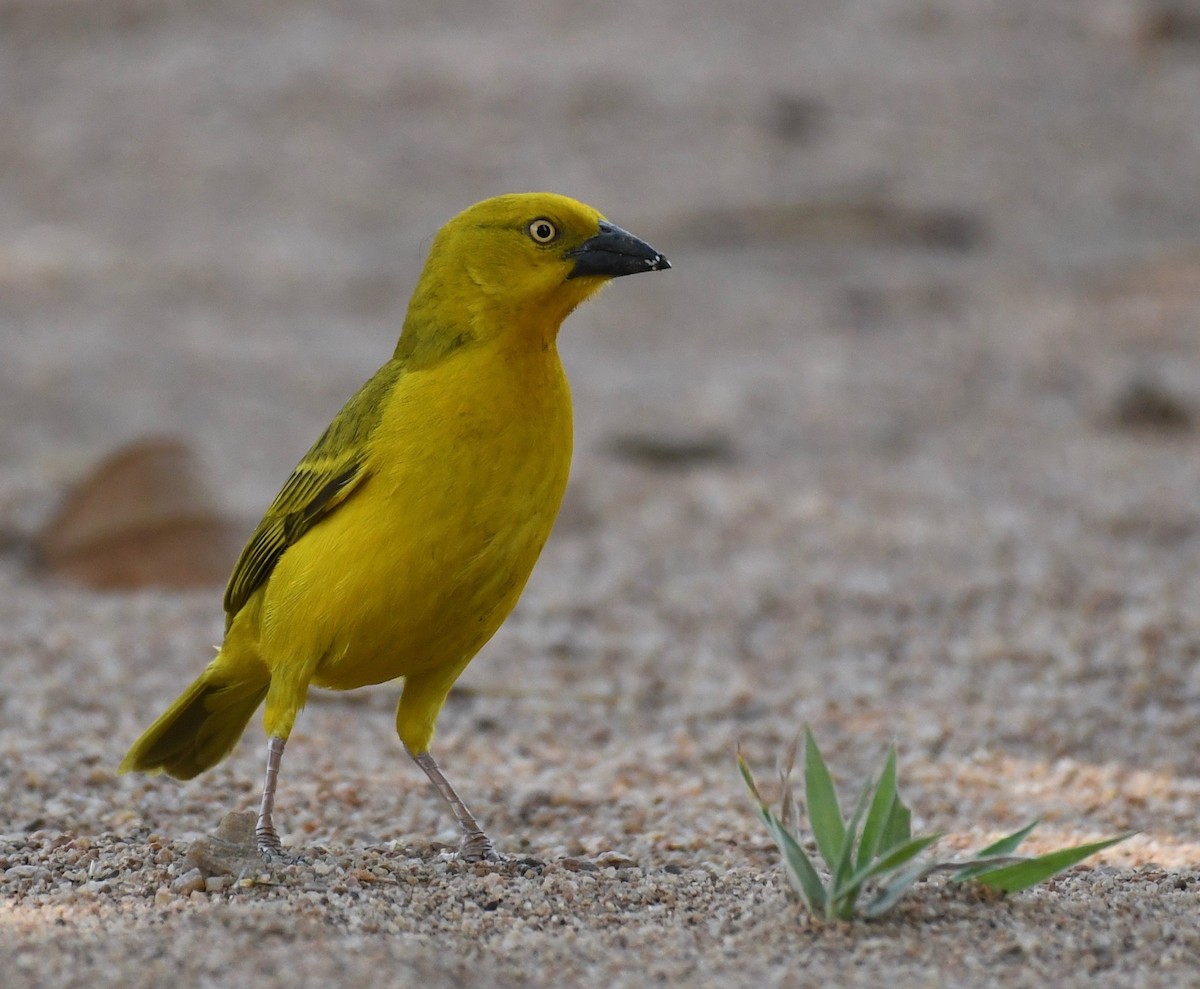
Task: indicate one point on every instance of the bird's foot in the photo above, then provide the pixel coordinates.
(269, 845)
(478, 847)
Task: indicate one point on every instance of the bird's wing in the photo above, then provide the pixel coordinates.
(330, 472)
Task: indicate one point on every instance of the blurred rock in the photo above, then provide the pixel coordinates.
(230, 851)
(143, 517)
(1175, 23)
(671, 450)
(795, 118)
(1147, 404)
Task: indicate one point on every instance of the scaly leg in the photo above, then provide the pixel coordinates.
(268, 838)
(476, 846)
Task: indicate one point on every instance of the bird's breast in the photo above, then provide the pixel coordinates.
(420, 567)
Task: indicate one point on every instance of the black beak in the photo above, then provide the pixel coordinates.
(614, 252)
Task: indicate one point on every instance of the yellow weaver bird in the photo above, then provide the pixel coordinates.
(404, 537)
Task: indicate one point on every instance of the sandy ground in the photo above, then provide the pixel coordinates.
(905, 447)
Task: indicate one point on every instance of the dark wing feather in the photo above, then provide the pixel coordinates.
(330, 472)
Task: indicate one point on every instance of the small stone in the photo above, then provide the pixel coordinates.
(614, 860)
(190, 882)
(230, 851)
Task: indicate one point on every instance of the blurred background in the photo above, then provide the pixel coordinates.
(905, 443)
(213, 212)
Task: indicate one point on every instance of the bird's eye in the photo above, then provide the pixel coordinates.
(543, 231)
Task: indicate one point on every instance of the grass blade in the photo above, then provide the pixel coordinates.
(788, 814)
(891, 893)
(748, 778)
(801, 874)
(897, 829)
(824, 814)
(840, 889)
(1005, 846)
(1011, 878)
(1009, 843)
(880, 810)
(893, 860)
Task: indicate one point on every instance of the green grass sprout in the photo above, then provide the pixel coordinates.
(871, 859)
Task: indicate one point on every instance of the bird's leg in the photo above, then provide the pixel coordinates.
(476, 846)
(268, 838)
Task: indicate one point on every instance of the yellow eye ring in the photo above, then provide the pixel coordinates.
(542, 231)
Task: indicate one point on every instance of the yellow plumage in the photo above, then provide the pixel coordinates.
(404, 537)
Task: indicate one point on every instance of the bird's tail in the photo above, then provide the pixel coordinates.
(203, 725)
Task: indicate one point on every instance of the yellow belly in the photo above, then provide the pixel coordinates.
(421, 565)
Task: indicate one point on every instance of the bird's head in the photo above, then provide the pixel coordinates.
(520, 264)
